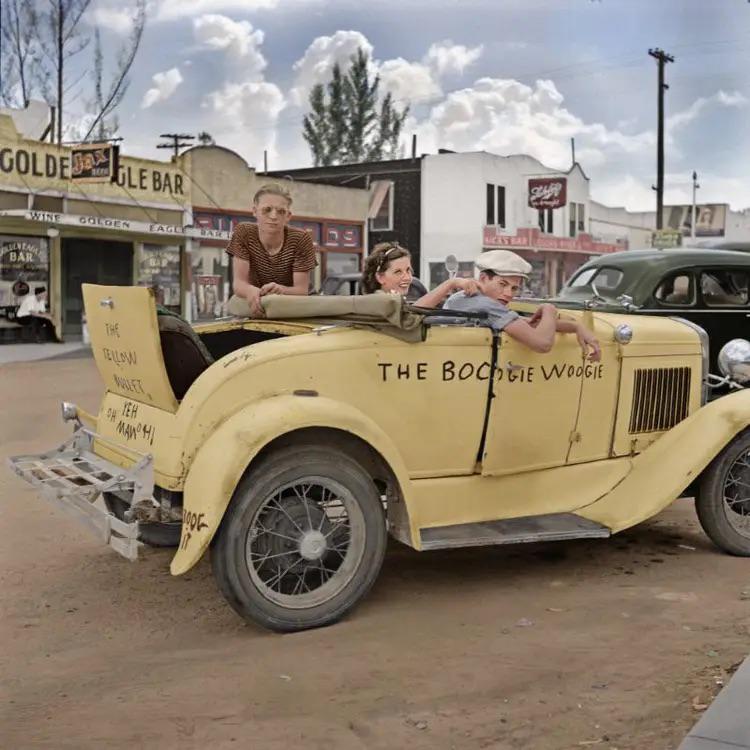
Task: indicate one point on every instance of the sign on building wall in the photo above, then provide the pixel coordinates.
(94, 162)
(24, 263)
(343, 235)
(35, 165)
(547, 192)
(534, 238)
(710, 219)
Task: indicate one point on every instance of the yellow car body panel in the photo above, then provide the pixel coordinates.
(472, 428)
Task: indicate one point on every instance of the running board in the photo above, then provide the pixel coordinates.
(547, 528)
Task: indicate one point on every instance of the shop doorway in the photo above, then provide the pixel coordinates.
(90, 262)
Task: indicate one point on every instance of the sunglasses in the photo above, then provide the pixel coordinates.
(268, 210)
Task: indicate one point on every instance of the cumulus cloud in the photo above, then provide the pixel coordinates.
(408, 81)
(506, 117)
(413, 80)
(731, 99)
(316, 65)
(237, 38)
(447, 58)
(247, 115)
(169, 10)
(165, 84)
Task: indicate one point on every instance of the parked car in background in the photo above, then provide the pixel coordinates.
(348, 284)
(707, 287)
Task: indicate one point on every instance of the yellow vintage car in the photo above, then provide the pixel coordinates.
(290, 447)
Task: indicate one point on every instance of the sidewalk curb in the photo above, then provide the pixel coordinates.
(726, 724)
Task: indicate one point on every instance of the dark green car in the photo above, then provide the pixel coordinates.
(707, 287)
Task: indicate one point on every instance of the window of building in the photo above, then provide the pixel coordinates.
(545, 220)
(501, 205)
(490, 204)
(381, 205)
(577, 212)
(495, 205)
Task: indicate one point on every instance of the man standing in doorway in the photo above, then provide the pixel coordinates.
(33, 312)
(270, 257)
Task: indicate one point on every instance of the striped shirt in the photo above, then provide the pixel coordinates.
(296, 254)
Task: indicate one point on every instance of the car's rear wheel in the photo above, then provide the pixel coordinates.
(302, 541)
(723, 501)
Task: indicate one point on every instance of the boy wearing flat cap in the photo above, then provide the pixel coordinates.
(501, 277)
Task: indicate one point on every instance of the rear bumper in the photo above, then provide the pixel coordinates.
(72, 477)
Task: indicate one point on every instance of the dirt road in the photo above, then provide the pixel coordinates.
(602, 643)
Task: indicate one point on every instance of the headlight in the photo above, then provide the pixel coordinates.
(734, 360)
(69, 411)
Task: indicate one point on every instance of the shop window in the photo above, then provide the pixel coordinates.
(24, 264)
(159, 268)
(210, 283)
(381, 205)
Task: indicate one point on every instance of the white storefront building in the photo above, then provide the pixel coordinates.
(479, 201)
(471, 202)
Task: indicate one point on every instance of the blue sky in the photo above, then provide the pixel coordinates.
(505, 76)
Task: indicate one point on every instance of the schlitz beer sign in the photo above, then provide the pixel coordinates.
(94, 162)
(547, 192)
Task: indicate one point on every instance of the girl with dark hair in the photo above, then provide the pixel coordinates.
(388, 271)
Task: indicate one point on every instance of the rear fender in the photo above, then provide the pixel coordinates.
(668, 466)
(231, 448)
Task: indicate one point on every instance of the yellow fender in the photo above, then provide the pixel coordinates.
(224, 456)
(661, 473)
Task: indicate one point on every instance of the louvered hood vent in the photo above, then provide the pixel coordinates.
(661, 399)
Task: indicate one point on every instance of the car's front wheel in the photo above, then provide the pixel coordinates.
(302, 541)
(723, 500)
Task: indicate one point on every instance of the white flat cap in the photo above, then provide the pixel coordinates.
(503, 263)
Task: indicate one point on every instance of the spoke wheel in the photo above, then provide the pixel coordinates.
(302, 540)
(723, 501)
(305, 543)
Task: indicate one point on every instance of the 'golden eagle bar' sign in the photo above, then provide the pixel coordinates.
(94, 162)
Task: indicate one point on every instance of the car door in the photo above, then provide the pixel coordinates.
(715, 298)
(533, 414)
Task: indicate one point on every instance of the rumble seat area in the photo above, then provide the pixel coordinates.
(185, 355)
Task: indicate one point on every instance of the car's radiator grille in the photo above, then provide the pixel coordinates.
(660, 399)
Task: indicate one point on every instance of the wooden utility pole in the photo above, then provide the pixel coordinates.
(692, 214)
(662, 58)
(179, 140)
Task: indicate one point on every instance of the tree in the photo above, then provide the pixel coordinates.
(18, 63)
(344, 125)
(38, 39)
